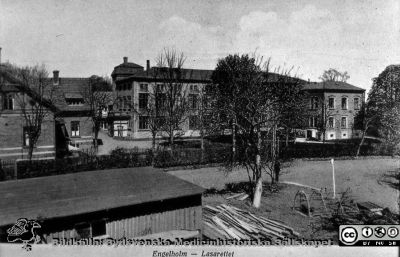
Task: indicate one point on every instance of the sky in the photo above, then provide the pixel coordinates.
(82, 38)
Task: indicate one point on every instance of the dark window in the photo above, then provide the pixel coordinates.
(343, 123)
(143, 87)
(98, 228)
(26, 132)
(193, 122)
(331, 122)
(161, 100)
(331, 103)
(75, 128)
(143, 122)
(344, 103)
(143, 100)
(8, 103)
(356, 103)
(314, 103)
(193, 101)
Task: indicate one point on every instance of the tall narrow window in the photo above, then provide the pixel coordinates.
(8, 103)
(344, 103)
(143, 100)
(26, 132)
(143, 122)
(343, 123)
(314, 103)
(331, 122)
(331, 103)
(75, 128)
(356, 103)
(193, 122)
(193, 101)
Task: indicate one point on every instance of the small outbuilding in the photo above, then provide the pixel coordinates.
(116, 203)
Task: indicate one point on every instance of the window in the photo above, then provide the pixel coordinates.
(143, 122)
(120, 130)
(331, 103)
(143, 100)
(331, 122)
(161, 100)
(193, 101)
(343, 123)
(143, 87)
(26, 132)
(312, 122)
(314, 103)
(356, 103)
(75, 128)
(193, 122)
(160, 87)
(344, 103)
(8, 103)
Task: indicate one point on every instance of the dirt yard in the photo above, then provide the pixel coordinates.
(369, 179)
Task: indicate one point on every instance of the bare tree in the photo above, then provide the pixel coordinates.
(170, 76)
(35, 100)
(97, 96)
(258, 109)
(334, 75)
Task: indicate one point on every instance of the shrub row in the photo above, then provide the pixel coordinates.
(118, 158)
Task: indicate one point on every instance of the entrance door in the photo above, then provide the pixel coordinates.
(309, 133)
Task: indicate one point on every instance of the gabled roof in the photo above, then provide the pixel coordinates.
(88, 192)
(331, 86)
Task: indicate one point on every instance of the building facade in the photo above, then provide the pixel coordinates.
(333, 106)
(14, 139)
(133, 86)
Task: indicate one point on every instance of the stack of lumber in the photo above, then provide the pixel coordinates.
(228, 222)
(239, 196)
(369, 206)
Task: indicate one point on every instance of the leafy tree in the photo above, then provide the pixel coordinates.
(334, 75)
(383, 106)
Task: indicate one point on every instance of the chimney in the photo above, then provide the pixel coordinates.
(56, 77)
(148, 65)
(0, 55)
(125, 60)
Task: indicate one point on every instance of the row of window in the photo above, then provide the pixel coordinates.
(144, 87)
(144, 122)
(313, 122)
(314, 103)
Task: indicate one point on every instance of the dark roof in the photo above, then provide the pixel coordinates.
(154, 74)
(129, 64)
(70, 88)
(87, 192)
(331, 86)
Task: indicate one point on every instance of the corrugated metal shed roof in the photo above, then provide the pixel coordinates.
(86, 192)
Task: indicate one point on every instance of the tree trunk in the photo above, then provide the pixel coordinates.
(30, 152)
(287, 137)
(257, 193)
(258, 188)
(361, 143)
(233, 142)
(202, 146)
(273, 153)
(153, 149)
